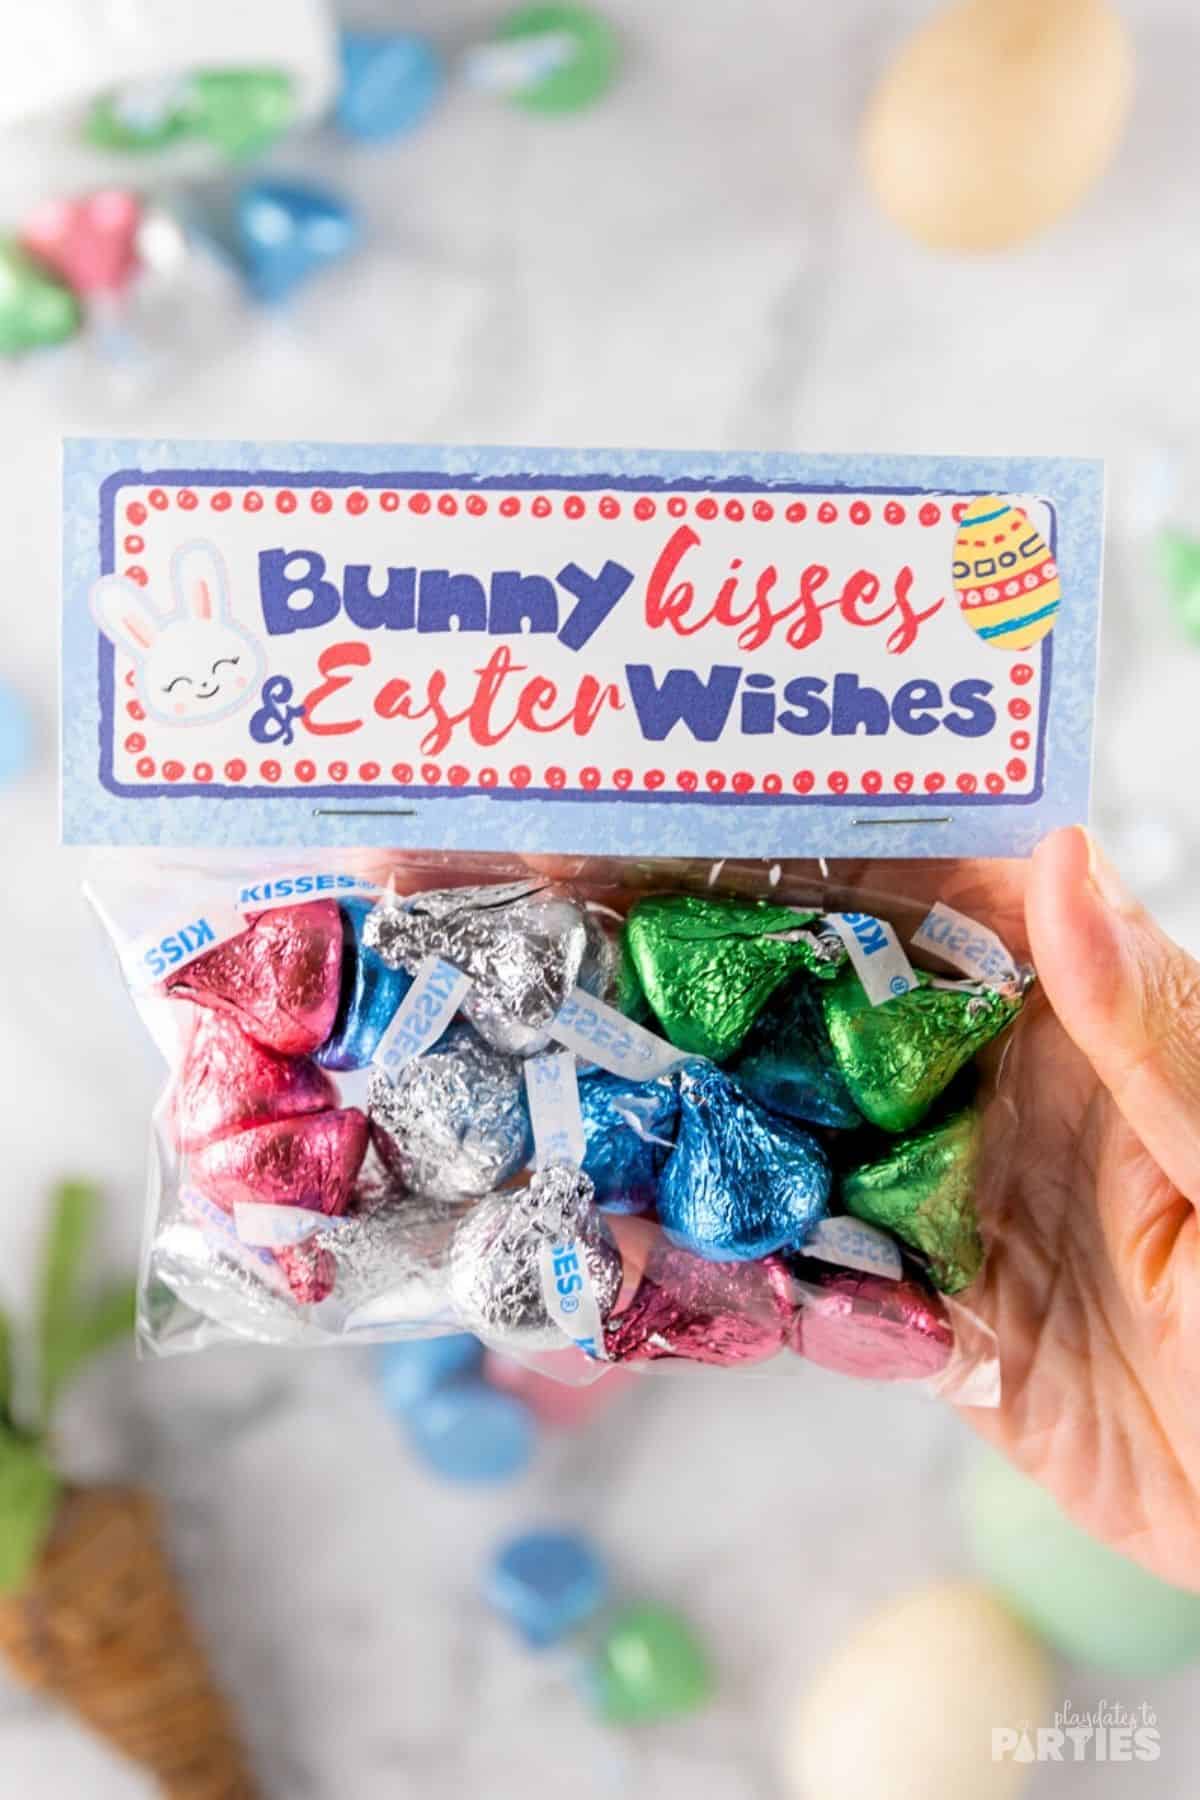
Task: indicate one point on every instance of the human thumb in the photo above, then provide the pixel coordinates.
(1126, 994)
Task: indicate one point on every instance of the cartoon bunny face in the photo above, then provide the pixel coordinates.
(194, 664)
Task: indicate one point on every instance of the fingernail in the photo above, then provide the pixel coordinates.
(1106, 881)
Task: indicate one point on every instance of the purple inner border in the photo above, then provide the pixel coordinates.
(111, 486)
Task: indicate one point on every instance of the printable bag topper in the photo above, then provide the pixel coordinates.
(669, 653)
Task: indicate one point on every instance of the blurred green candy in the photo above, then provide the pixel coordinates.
(36, 310)
(647, 1665)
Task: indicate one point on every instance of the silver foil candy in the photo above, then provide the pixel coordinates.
(495, 1273)
(455, 1122)
(392, 1258)
(221, 1281)
(525, 945)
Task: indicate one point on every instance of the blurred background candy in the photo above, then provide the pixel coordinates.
(170, 105)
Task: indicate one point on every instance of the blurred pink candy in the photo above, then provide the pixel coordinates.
(91, 242)
(554, 1403)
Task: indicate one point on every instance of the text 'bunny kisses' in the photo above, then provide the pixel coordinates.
(634, 1082)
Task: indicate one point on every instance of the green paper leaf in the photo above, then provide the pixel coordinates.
(29, 1493)
(6, 1368)
(72, 1225)
(106, 1321)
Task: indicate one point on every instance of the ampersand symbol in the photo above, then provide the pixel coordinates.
(272, 723)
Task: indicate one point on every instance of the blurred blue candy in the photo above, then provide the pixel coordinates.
(470, 1432)
(286, 232)
(629, 1128)
(740, 1183)
(371, 993)
(16, 734)
(411, 1371)
(389, 83)
(546, 1584)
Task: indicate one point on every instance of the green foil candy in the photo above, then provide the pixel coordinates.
(898, 1057)
(36, 310)
(241, 112)
(708, 965)
(648, 1666)
(923, 1192)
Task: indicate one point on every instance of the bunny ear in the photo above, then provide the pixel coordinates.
(120, 610)
(199, 581)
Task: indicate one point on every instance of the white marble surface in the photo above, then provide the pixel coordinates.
(694, 264)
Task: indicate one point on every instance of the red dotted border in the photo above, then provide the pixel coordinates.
(356, 502)
(473, 505)
(589, 778)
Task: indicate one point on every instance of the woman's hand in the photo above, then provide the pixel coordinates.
(1093, 1277)
(1090, 1187)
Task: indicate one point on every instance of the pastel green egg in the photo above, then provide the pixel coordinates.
(1088, 1602)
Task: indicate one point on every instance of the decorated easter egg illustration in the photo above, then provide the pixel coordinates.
(1005, 574)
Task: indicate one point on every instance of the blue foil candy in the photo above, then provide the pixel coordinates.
(740, 1183)
(547, 1584)
(390, 82)
(370, 994)
(286, 232)
(410, 1371)
(788, 1062)
(470, 1432)
(629, 1128)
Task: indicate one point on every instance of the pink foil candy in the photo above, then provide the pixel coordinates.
(311, 1271)
(279, 979)
(90, 242)
(311, 1161)
(706, 1312)
(872, 1327)
(228, 1083)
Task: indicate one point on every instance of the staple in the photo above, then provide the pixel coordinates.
(904, 819)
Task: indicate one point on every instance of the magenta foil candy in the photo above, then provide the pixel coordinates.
(228, 1083)
(721, 1313)
(869, 1326)
(310, 1161)
(280, 979)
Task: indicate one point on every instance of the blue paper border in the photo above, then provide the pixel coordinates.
(97, 809)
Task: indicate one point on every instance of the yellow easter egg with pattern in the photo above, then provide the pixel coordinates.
(1005, 575)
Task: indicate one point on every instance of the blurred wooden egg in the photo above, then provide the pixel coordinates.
(907, 1706)
(996, 118)
(1006, 578)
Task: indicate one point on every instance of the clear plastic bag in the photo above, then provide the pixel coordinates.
(595, 1110)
